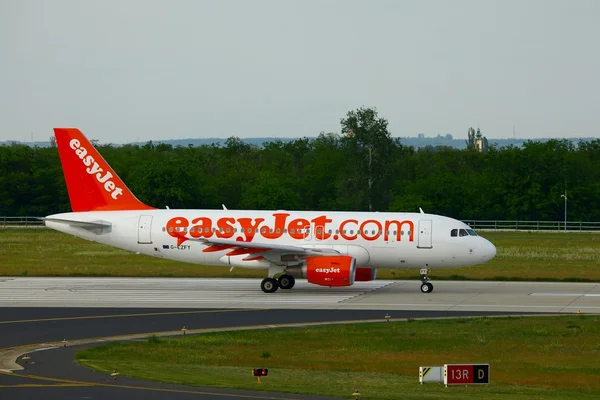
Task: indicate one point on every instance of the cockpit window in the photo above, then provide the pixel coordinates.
(472, 232)
(454, 232)
(463, 232)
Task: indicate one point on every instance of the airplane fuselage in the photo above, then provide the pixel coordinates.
(375, 240)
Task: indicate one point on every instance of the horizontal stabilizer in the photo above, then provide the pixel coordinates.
(93, 226)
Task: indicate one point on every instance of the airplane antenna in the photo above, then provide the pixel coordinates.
(224, 208)
(421, 210)
(167, 207)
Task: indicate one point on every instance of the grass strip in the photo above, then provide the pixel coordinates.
(529, 357)
(521, 256)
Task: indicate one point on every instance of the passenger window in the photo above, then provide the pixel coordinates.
(206, 230)
(454, 233)
(292, 230)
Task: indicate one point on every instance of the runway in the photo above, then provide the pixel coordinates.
(41, 312)
(476, 296)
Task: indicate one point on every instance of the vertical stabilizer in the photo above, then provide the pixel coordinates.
(91, 182)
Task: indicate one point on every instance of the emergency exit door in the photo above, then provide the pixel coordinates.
(424, 234)
(144, 229)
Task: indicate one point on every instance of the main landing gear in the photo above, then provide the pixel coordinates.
(426, 286)
(270, 285)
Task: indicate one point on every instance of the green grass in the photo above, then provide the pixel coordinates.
(529, 357)
(521, 256)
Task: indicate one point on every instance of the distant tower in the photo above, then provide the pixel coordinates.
(477, 141)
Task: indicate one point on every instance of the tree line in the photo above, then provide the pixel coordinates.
(359, 169)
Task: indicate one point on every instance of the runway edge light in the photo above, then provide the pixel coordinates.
(260, 372)
(431, 374)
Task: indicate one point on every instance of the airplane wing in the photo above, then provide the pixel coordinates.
(240, 248)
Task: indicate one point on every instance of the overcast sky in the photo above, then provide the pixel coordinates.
(124, 70)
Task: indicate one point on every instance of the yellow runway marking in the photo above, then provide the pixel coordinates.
(126, 315)
(71, 383)
(38, 385)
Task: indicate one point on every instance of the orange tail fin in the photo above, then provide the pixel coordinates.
(91, 182)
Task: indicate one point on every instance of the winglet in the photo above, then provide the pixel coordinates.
(91, 182)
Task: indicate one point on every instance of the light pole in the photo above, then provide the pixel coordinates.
(565, 196)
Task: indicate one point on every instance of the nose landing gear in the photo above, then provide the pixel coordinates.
(426, 286)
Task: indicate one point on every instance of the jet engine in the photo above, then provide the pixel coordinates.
(326, 270)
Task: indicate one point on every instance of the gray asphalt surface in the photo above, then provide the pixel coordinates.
(52, 374)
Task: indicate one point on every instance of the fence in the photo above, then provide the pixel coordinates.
(572, 226)
(20, 222)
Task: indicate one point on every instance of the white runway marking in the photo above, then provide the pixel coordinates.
(478, 296)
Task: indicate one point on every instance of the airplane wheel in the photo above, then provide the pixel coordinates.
(269, 285)
(426, 287)
(286, 281)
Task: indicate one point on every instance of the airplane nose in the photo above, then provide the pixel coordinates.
(488, 250)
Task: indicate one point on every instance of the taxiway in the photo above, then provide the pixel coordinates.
(499, 296)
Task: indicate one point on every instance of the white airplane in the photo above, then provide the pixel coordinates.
(326, 248)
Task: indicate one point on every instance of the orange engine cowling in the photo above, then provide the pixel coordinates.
(327, 270)
(365, 274)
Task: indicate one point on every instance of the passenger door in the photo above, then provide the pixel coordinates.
(424, 234)
(145, 229)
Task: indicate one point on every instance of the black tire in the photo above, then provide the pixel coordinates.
(426, 287)
(286, 281)
(269, 285)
